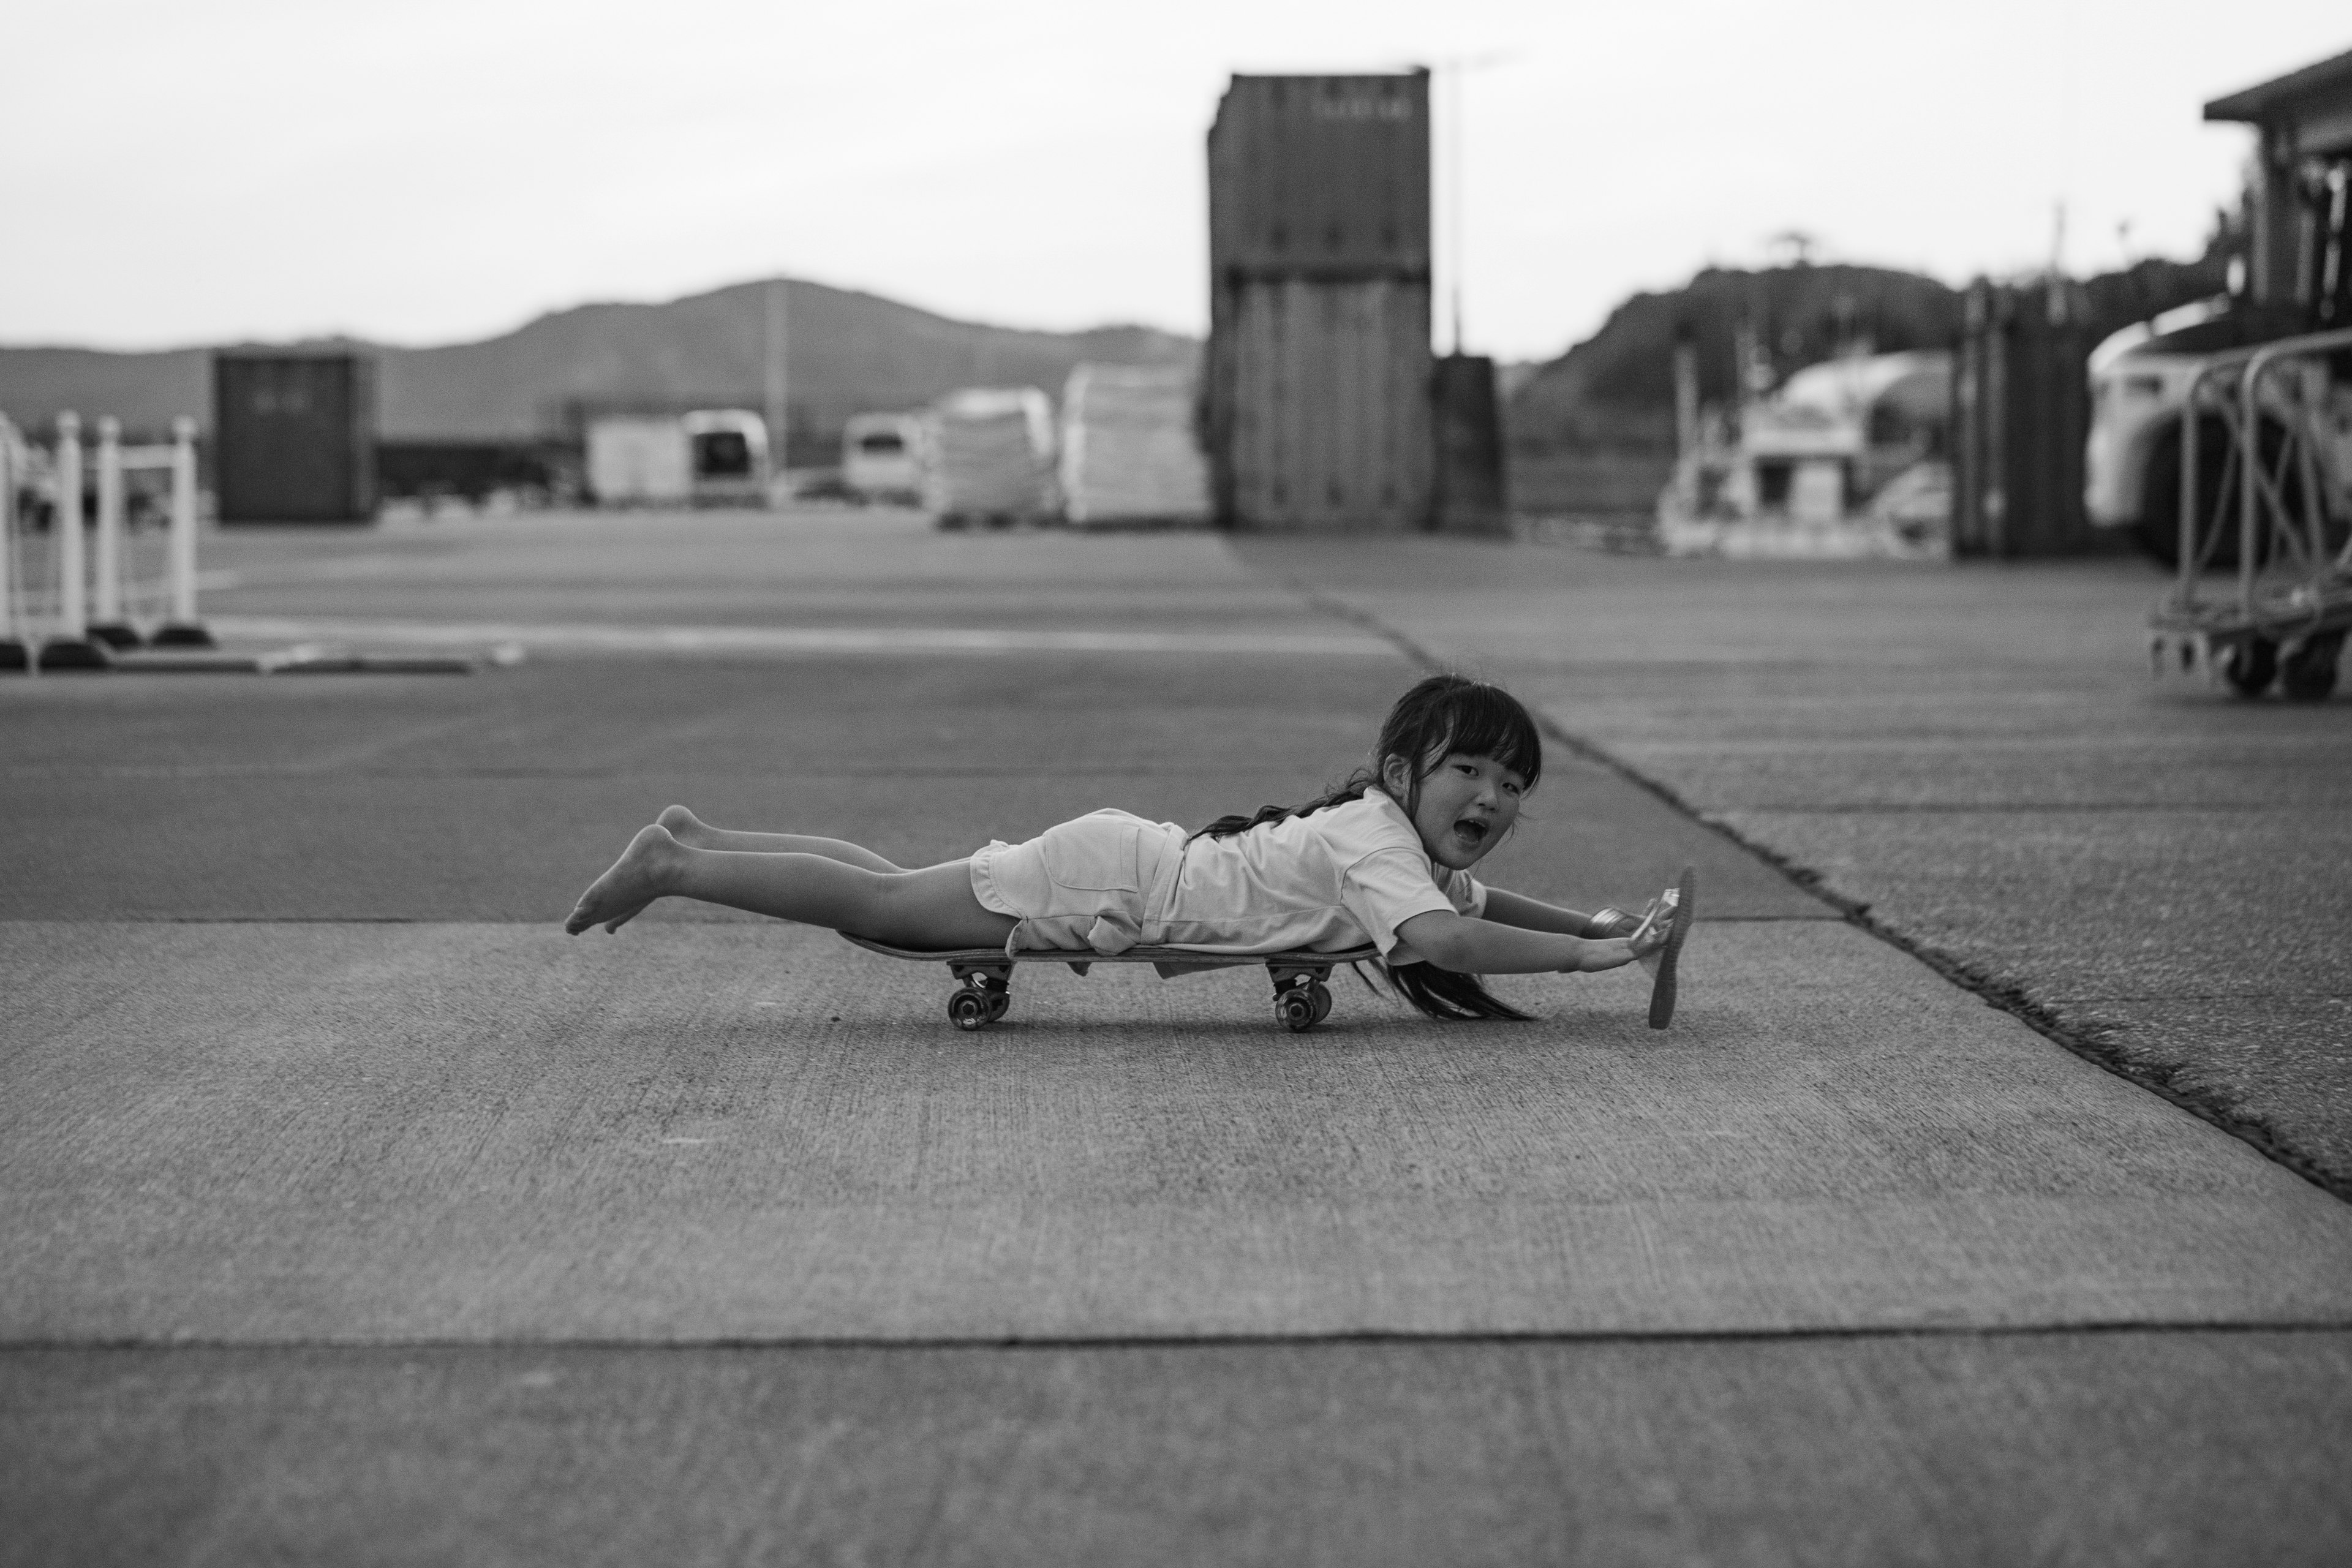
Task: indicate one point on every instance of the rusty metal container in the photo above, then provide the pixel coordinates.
(1321, 407)
(294, 436)
(1320, 176)
(1316, 409)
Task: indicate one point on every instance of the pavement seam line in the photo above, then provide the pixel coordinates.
(1399, 1337)
(2007, 997)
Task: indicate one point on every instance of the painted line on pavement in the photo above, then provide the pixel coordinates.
(883, 641)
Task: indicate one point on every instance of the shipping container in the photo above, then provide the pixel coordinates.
(1129, 450)
(1321, 176)
(294, 436)
(1319, 406)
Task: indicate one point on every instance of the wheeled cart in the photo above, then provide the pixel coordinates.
(2280, 505)
(983, 975)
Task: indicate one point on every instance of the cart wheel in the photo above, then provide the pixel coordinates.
(2308, 674)
(1322, 995)
(2249, 667)
(1296, 1008)
(969, 1008)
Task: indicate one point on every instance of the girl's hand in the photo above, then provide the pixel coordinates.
(1658, 924)
(1608, 953)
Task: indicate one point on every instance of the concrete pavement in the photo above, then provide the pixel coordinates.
(1980, 756)
(361, 1214)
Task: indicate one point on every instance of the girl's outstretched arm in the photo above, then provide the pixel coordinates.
(1472, 946)
(1509, 909)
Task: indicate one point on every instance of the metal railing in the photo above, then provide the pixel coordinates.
(2292, 558)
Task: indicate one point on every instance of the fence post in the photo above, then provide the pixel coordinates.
(13, 654)
(182, 629)
(107, 624)
(70, 648)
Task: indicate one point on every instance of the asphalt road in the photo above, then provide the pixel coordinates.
(356, 1214)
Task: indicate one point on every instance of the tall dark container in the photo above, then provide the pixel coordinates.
(2021, 413)
(294, 436)
(1469, 489)
(1319, 377)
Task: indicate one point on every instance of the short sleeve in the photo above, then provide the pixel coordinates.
(1388, 888)
(1468, 893)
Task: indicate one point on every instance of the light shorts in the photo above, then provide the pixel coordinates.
(1086, 885)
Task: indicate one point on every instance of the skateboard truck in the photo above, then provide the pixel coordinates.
(984, 976)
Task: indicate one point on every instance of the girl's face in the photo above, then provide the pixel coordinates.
(1467, 804)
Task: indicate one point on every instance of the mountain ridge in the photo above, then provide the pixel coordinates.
(848, 350)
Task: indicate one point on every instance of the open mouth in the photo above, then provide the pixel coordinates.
(1471, 831)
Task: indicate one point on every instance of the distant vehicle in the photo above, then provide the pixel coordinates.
(729, 450)
(712, 457)
(639, 461)
(1845, 457)
(2132, 461)
(882, 458)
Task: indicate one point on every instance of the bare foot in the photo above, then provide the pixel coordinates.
(684, 826)
(634, 881)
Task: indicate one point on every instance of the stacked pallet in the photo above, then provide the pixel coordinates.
(1128, 449)
(991, 457)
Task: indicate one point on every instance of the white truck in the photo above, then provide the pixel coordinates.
(710, 457)
(2133, 458)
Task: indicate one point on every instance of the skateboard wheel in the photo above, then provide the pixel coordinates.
(969, 1008)
(2308, 674)
(1322, 995)
(2249, 667)
(1296, 1008)
(999, 1003)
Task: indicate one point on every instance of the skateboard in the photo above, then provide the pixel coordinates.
(984, 976)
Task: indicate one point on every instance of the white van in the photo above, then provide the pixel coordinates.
(882, 458)
(729, 456)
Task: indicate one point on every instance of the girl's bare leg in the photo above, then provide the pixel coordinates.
(696, 834)
(930, 909)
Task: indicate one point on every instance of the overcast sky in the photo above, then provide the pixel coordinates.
(188, 171)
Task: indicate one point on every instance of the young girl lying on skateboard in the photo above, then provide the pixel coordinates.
(1384, 858)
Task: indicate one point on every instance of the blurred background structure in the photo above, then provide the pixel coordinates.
(1803, 405)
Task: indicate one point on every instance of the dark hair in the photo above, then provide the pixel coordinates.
(1440, 716)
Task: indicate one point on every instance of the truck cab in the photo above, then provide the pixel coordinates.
(2296, 278)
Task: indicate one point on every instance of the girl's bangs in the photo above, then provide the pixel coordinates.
(1481, 721)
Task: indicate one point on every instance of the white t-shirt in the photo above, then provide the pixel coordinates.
(1336, 878)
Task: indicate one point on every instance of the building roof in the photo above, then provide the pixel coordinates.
(2321, 91)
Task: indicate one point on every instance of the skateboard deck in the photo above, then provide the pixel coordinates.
(984, 974)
